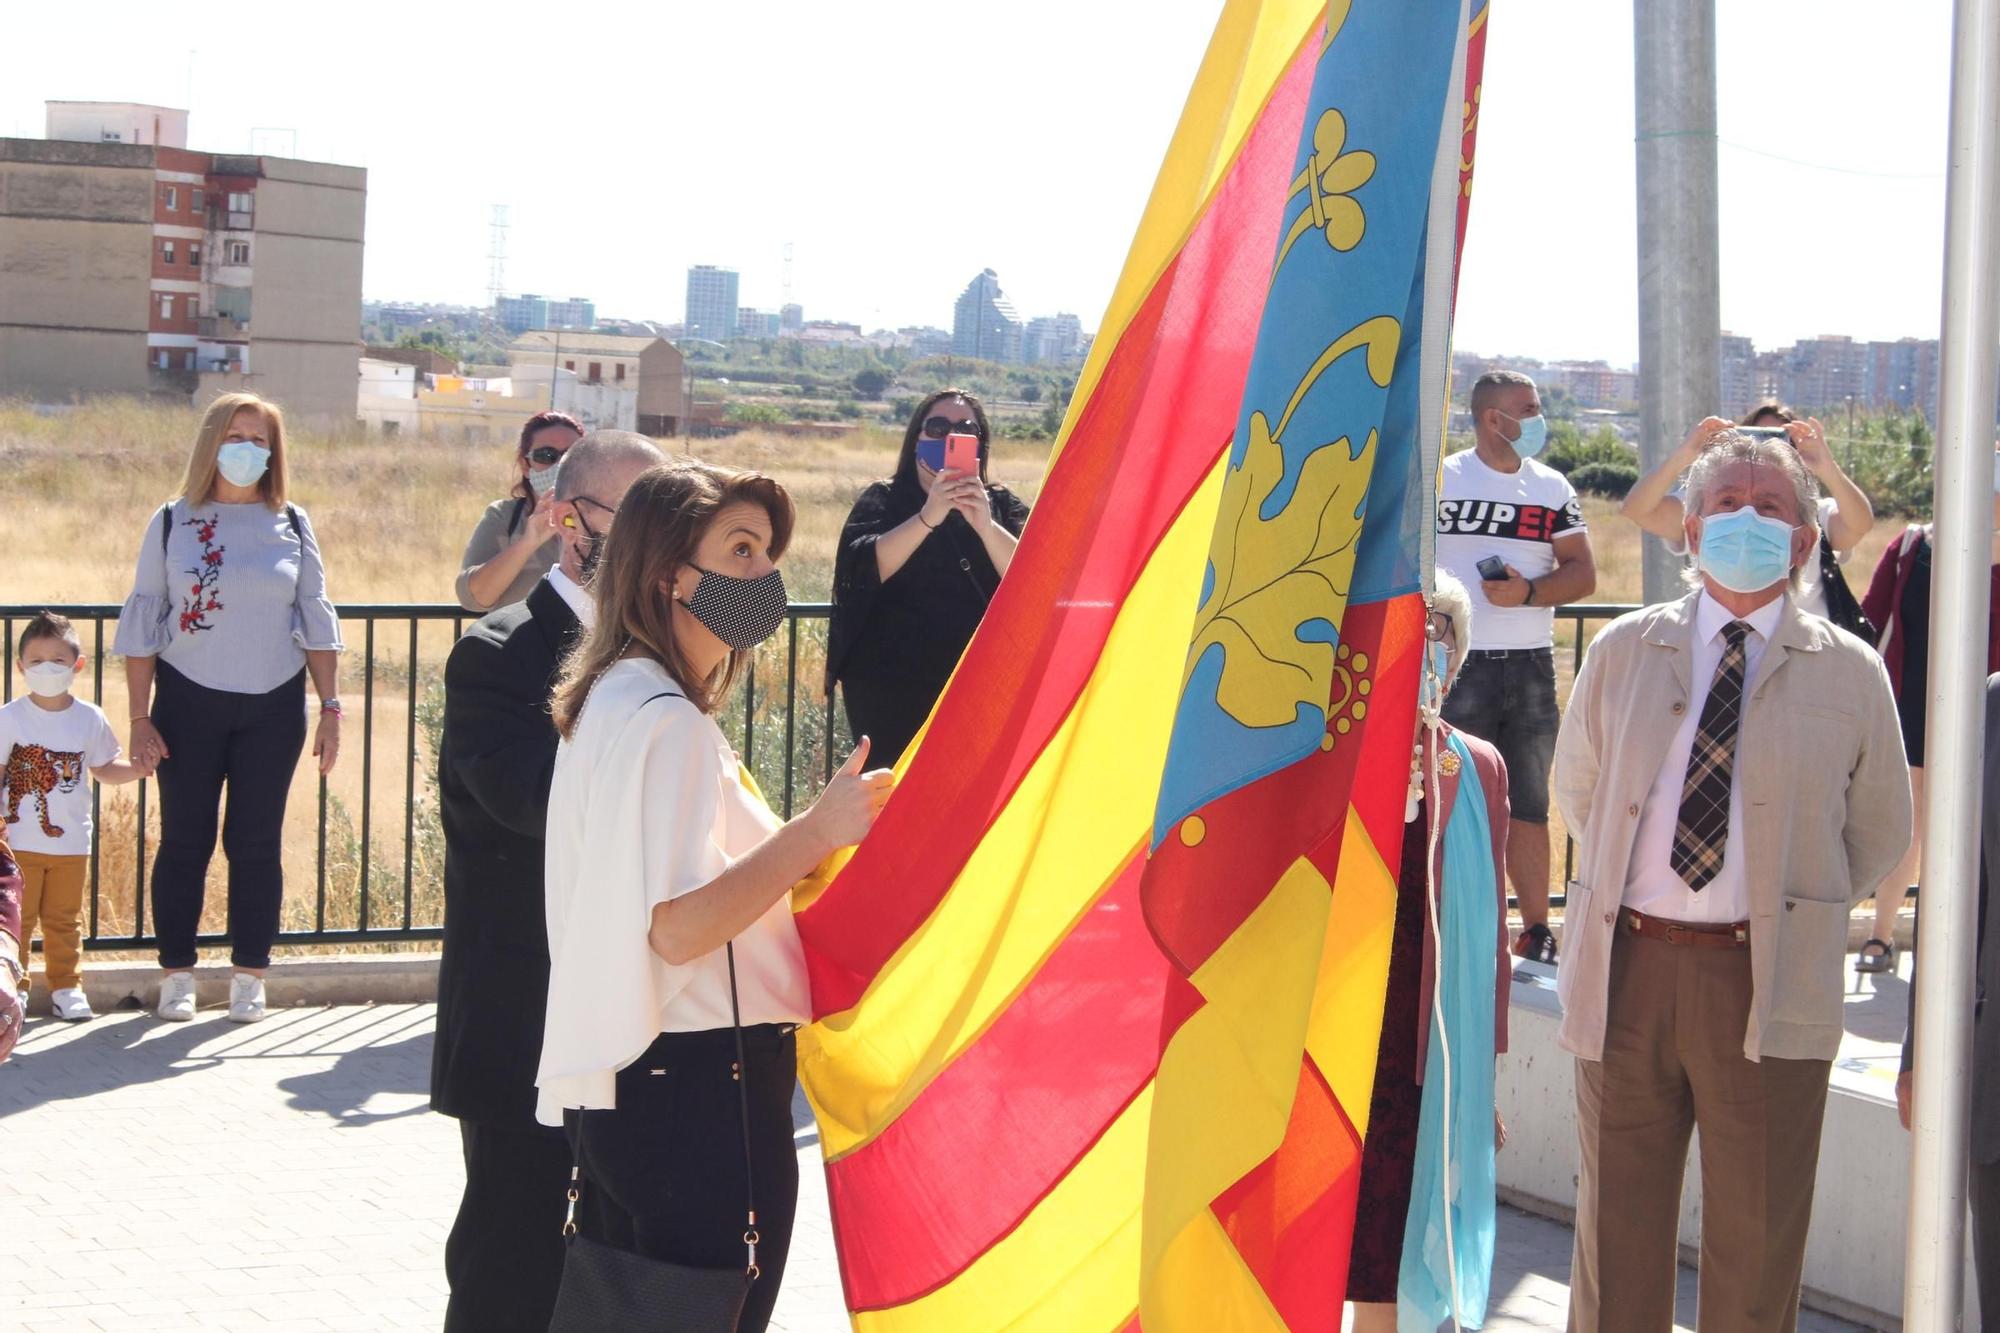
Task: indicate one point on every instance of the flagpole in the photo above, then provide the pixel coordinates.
(1680, 292)
(1947, 909)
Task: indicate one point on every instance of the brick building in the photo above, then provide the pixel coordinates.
(144, 267)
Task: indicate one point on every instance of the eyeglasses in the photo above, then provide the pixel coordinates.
(1437, 626)
(545, 454)
(936, 428)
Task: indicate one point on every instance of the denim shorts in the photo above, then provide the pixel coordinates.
(1507, 698)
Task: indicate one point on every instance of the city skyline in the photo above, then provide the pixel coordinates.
(1811, 178)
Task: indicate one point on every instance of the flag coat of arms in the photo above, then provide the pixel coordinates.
(1098, 1000)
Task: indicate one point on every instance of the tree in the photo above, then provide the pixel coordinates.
(871, 383)
(1031, 392)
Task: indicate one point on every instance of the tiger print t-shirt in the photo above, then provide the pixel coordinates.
(45, 786)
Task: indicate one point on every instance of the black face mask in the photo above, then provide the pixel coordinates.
(592, 551)
(740, 612)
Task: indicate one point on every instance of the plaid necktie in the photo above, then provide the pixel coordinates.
(1703, 832)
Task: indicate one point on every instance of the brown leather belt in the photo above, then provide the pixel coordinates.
(1727, 935)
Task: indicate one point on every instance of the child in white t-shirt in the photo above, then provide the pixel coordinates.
(49, 741)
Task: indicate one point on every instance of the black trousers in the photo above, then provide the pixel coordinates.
(249, 743)
(663, 1173)
(1985, 1196)
(504, 1256)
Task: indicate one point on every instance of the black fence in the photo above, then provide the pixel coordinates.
(368, 841)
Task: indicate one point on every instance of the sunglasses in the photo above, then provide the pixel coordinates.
(936, 428)
(545, 454)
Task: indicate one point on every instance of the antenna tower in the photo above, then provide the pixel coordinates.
(496, 257)
(788, 272)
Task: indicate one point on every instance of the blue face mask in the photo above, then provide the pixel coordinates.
(1534, 435)
(1745, 551)
(242, 462)
(1438, 667)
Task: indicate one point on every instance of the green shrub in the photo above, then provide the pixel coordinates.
(1569, 450)
(1610, 480)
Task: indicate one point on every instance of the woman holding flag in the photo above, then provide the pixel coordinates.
(1432, 1126)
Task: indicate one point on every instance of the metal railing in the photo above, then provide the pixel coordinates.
(375, 870)
(368, 848)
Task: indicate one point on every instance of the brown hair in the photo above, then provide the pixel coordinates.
(198, 485)
(659, 524)
(48, 625)
(532, 427)
(1770, 407)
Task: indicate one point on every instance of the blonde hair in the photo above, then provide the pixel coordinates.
(658, 528)
(198, 485)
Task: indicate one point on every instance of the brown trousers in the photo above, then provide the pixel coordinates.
(52, 896)
(1673, 1059)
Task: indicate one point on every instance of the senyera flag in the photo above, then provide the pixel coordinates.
(1098, 1000)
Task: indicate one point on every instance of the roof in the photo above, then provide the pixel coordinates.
(610, 344)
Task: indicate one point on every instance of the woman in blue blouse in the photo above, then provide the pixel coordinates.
(228, 616)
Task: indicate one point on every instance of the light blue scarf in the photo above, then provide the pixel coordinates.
(1469, 925)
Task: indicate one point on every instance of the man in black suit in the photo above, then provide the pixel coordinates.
(1984, 1163)
(498, 752)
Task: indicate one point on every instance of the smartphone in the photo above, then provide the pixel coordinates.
(1493, 568)
(1764, 432)
(961, 454)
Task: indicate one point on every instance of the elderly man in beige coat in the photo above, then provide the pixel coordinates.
(1733, 770)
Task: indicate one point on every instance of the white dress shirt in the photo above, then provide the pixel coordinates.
(647, 805)
(578, 598)
(1651, 886)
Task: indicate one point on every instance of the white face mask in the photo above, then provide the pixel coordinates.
(541, 483)
(51, 680)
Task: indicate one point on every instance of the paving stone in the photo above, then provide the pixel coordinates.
(290, 1176)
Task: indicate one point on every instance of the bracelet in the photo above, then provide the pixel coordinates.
(1529, 600)
(143, 717)
(331, 706)
(932, 527)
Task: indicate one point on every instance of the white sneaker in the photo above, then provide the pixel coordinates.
(176, 997)
(246, 998)
(71, 1005)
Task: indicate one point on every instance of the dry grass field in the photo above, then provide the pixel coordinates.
(392, 516)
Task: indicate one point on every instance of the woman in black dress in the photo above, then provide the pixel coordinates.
(920, 558)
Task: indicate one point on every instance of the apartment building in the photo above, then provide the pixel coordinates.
(144, 267)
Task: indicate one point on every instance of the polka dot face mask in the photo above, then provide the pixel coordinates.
(740, 612)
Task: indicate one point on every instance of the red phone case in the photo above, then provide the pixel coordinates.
(961, 454)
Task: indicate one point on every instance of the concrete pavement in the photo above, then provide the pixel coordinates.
(290, 1176)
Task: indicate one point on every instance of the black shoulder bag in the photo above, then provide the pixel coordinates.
(606, 1290)
(1841, 608)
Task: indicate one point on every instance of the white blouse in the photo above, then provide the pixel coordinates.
(647, 804)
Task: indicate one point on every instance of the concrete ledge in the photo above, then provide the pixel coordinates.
(1854, 1251)
(363, 978)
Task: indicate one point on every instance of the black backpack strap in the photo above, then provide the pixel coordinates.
(292, 517)
(514, 520)
(166, 524)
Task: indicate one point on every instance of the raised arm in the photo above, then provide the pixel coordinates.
(1650, 504)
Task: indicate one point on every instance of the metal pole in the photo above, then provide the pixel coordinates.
(1680, 301)
(1962, 554)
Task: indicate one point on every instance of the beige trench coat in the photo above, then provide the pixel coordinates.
(1826, 803)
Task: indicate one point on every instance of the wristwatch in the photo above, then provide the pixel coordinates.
(331, 706)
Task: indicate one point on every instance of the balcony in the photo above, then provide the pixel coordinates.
(222, 326)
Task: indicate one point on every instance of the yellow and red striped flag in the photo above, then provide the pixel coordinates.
(1099, 998)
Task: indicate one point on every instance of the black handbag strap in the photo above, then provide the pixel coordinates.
(741, 1073)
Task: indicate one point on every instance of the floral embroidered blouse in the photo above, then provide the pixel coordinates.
(233, 599)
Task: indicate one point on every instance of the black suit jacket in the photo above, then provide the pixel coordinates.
(495, 762)
(1986, 1027)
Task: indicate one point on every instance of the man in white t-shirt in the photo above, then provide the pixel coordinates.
(1512, 532)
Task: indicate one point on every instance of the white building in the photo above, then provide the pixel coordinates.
(116, 122)
(387, 403)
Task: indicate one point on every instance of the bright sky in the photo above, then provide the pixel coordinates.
(902, 145)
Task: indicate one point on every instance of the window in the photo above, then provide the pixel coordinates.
(173, 198)
(569, 365)
(200, 201)
(166, 252)
(194, 254)
(620, 376)
(239, 201)
(236, 252)
(597, 372)
(164, 359)
(166, 305)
